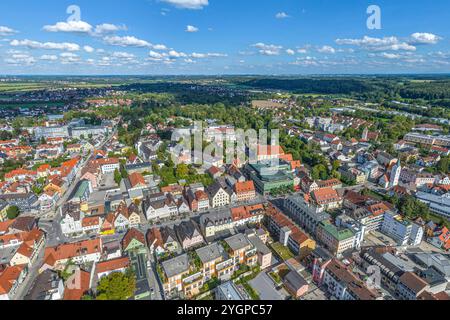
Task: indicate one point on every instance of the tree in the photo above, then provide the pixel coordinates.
(117, 176)
(12, 212)
(319, 172)
(444, 165)
(117, 286)
(182, 171)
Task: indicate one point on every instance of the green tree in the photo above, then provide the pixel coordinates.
(117, 176)
(182, 171)
(319, 172)
(444, 165)
(12, 212)
(117, 286)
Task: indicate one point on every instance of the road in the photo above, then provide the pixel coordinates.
(51, 226)
(31, 277)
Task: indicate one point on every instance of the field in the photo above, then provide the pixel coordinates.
(282, 251)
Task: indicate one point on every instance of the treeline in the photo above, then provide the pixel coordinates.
(314, 86)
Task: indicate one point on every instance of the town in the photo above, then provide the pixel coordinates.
(96, 197)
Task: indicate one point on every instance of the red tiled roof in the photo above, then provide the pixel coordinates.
(136, 179)
(325, 195)
(8, 277)
(244, 187)
(78, 293)
(112, 265)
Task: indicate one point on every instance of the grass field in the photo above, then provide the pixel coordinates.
(282, 251)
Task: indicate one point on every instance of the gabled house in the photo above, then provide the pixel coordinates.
(218, 196)
(188, 234)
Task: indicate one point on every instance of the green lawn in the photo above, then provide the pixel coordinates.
(284, 252)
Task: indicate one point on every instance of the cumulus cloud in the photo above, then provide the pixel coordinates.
(127, 41)
(159, 47)
(123, 55)
(424, 38)
(69, 26)
(188, 4)
(190, 28)
(88, 49)
(326, 49)
(207, 55)
(69, 58)
(282, 15)
(290, 52)
(48, 57)
(6, 31)
(66, 46)
(20, 59)
(378, 44)
(105, 28)
(268, 49)
(176, 54)
(155, 55)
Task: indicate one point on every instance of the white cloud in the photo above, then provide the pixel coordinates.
(69, 58)
(20, 59)
(123, 55)
(49, 57)
(188, 4)
(6, 31)
(424, 38)
(207, 55)
(378, 44)
(70, 26)
(155, 55)
(159, 47)
(88, 49)
(326, 49)
(290, 52)
(282, 15)
(302, 50)
(175, 54)
(127, 41)
(105, 28)
(46, 45)
(190, 28)
(268, 49)
(306, 62)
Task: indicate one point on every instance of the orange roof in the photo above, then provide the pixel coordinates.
(19, 172)
(44, 168)
(246, 186)
(71, 163)
(325, 195)
(175, 188)
(133, 233)
(377, 208)
(84, 286)
(136, 179)
(201, 195)
(90, 221)
(287, 157)
(154, 237)
(295, 164)
(239, 213)
(112, 265)
(270, 150)
(4, 226)
(70, 250)
(8, 277)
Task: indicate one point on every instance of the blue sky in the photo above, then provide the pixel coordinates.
(223, 37)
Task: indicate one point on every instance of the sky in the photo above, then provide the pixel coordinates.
(209, 37)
